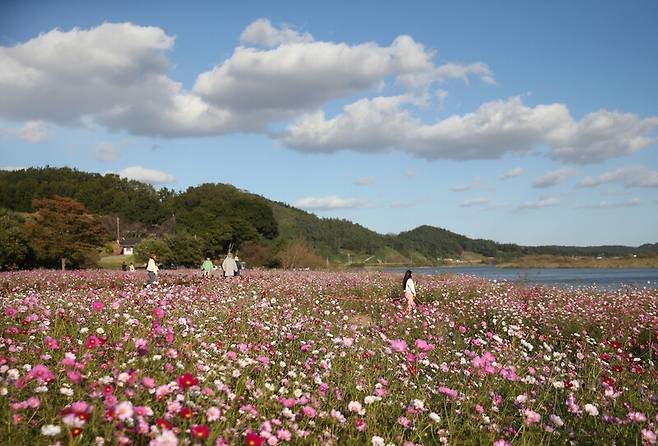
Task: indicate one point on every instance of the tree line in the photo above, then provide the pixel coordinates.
(205, 220)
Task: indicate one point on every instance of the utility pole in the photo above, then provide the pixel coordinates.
(118, 237)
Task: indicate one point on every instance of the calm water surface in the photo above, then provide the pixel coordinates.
(581, 277)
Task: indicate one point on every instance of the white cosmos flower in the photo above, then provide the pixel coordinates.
(50, 430)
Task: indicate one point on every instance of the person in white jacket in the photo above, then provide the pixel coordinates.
(409, 290)
(229, 266)
(152, 269)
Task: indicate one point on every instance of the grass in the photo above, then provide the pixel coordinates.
(114, 262)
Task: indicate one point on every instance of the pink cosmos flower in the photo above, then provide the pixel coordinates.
(166, 438)
(51, 343)
(123, 410)
(41, 373)
(309, 411)
(447, 391)
(531, 417)
(360, 424)
(92, 342)
(283, 435)
(398, 345)
(97, 305)
(648, 437)
(213, 414)
(502, 442)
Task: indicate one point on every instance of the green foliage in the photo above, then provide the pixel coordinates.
(222, 216)
(186, 249)
(258, 253)
(62, 232)
(101, 194)
(153, 246)
(14, 248)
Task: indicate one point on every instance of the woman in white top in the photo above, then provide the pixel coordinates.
(409, 290)
(152, 269)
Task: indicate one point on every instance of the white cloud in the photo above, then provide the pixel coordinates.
(409, 173)
(630, 176)
(261, 32)
(475, 202)
(496, 128)
(107, 151)
(475, 184)
(605, 204)
(363, 181)
(145, 175)
(515, 172)
(554, 177)
(542, 202)
(602, 135)
(11, 168)
(34, 131)
(328, 203)
(116, 76)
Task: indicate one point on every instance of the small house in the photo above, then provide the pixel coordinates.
(127, 245)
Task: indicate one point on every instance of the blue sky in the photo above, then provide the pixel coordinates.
(526, 122)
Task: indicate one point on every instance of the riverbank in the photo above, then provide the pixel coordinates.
(548, 261)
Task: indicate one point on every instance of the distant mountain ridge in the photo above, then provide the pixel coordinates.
(223, 214)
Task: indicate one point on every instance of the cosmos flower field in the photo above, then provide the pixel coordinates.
(95, 357)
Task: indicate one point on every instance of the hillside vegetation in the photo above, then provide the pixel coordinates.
(209, 219)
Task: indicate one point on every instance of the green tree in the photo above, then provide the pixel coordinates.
(153, 246)
(185, 248)
(61, 231)
(14, 249)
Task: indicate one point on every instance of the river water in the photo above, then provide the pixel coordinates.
(579, 277)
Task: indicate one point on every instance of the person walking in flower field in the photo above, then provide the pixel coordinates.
(207, 267)
(229, 266)
(409, 290)
(152, 269)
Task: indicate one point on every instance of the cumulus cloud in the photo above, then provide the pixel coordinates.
(328, 203)
(145, 175)
(11, 168)
(261, 32)
(515, 172)
(107, 151)
(630, 176)
(619, 204)
(496, 128)
(34, 132)
(554, 177)
(542, 202)
(116, 75)
(363, 181)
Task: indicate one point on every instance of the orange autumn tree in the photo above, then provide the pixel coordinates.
(63, 232)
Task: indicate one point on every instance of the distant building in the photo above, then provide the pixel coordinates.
(127, 245)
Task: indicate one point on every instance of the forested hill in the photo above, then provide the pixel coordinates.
(220, 215)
